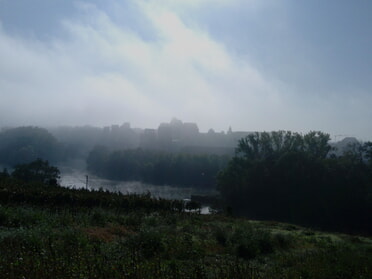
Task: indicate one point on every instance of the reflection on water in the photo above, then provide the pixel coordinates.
(78, 180)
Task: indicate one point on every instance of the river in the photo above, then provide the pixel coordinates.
(77, 179)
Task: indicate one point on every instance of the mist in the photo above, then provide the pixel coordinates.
(249, 65)
(123, 122)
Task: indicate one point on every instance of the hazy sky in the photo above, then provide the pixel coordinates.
(249, 64)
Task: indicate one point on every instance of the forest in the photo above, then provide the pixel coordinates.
(282, 175)
(299, 179)
(26, 144)
(159, 168)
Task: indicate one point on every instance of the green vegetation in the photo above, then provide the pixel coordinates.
(47, 231)
(25, 144)
(157, 168)
(36, 171)
(296, 178)
(55, 232)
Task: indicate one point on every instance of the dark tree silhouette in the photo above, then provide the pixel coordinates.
(157, 167)
(37, 171)
(292, 177)
(26, 144)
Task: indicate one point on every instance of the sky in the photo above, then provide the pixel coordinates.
(253, 65)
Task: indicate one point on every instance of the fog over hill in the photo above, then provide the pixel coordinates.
(173, 136)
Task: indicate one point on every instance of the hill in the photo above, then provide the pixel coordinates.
(55, 232)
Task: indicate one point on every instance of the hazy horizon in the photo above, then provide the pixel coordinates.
(252, 65)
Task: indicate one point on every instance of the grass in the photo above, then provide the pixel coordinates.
(63, 233)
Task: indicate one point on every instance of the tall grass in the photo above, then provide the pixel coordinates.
(62, 233)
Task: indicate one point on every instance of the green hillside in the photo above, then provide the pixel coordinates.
(54, 232)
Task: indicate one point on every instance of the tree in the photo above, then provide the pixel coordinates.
(261, 146)
(4, 174)
(97, 160)
(156, 167)
(367, 150)
(25, 144)
(37, 171)
(291, 177)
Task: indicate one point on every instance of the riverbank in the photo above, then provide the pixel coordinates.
(55, 232)
(76, 179)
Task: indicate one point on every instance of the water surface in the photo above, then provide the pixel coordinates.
(77, 179)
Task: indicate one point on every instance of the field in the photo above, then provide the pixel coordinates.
(53, 232)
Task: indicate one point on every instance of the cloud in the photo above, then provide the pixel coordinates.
(111, 70)
(107, 70)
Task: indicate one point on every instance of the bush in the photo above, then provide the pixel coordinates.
(250, 242)
(146, 243)
(37, 171)
(283, 240)
(221, 236)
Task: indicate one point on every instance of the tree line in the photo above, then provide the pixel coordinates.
(298, 178)
(155, 167)
(282, 175)
(38, 171)
(23, 145)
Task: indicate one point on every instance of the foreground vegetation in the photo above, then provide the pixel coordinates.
(54, 232)
(283, 176)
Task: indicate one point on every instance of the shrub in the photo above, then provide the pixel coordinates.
(250, 242)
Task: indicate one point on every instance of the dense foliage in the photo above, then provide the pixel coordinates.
(296, 178)
(26, 144)
(37, 171)
(55, 232)
(157, 167)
